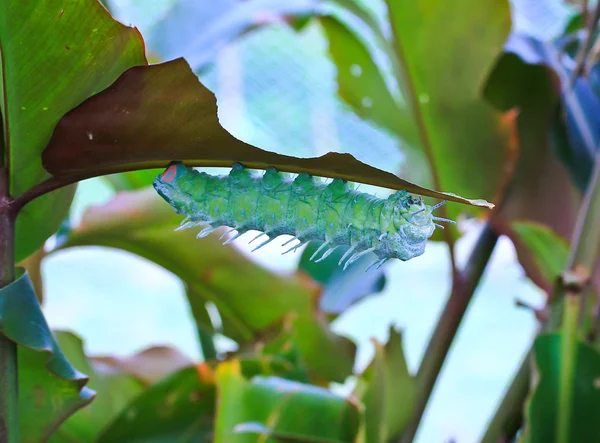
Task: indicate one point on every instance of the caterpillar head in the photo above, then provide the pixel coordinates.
(170, 187)
(412, 224)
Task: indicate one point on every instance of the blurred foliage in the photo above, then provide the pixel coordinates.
(477, 111)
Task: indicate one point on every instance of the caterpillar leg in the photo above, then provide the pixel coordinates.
(323, 246)
(206, 232)
(232, 238)
(357, 256)
(257, 237)
(295, 247)
(347, 254)
(263, 243)
(443, 220)
(289, 241)
(327, 254)
(187, 223)
(377, 262)
(228, 232)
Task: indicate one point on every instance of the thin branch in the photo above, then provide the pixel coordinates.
(38, 190)
(508, 418)
(9, 400)
(591, 26)
(463, 288)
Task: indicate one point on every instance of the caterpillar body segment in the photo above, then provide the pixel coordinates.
(304, 207)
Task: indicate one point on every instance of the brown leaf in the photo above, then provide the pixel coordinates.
(155, 114)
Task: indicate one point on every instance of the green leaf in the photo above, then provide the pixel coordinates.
(388, 391)
(54, 56)
(465, 140)
(50, 389)
(129, 119)
(260, 429)
(299, 411)
(179, 408)
(115, 390)
(362, 85)
(341, 288)
(140, 222)
(549, 250)
(544, 407)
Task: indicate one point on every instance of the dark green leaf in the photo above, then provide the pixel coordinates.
(179, 408)
(544, 406)
(50, 389)
(115, 389)
(388, 391)
(263, 431)
(129, 119)
(54, 56)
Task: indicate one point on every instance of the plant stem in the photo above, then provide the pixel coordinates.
(568, 358)
(508, 417)
(9, 402)
(207, 343)
(463, 287)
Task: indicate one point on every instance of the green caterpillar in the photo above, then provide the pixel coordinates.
(304, 207)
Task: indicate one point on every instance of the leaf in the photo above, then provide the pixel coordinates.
(179, 408)
(341, 288)
(33, 265)
(52, 60)
(263, 431)
(549, 250)
(540, 190)
(544, 408)
(299, 411)
(198, 30)
(388, 391)
(149, 365)
(576, 128)
(50, 389)
(140, 222)
(115, 389)
(362, 85)
(465, 140)
(125, 116)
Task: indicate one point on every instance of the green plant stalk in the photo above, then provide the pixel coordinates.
(567, 367)
(9, 402)
(583, 258)
(463, 287)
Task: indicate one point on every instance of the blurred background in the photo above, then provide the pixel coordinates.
(276, 89)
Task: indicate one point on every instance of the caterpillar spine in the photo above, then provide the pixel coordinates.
(304, 207)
